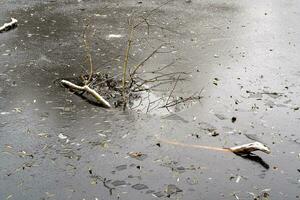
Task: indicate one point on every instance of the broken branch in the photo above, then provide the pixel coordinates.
(241, 149)
(9, 26)
(86, 88)
(248, 148)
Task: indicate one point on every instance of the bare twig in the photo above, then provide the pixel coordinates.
(141, 100)
(149, 103)
(157, 105)
(151, 12)
(145, 60)
(173, 89)
(153, 80)
(182, 100)
(163, 68)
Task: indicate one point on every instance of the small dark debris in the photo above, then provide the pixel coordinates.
(220, 116)
(191, 181)
(175, 117)
(214, 134)
(140, 186)
(273, 95)
(172, 189)
(118, 183)
(121, 167)
(159, 194)
(180, 169)
(253, 137)
(233, 119)
(150, 191)
(137, 155)
(263, 196)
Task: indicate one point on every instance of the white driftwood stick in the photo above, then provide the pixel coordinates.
(9, 25)
(248, 148)
(86, 88)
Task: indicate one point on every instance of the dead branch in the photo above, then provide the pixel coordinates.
(8, 26)
(86, 88)
(242, 149)
(248, 148)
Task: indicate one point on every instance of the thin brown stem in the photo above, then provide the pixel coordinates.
(125, 65)
(88, 54)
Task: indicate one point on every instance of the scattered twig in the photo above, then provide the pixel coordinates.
(151, 12)
(173, 89)
(86, 88)
(158, 78)
(157, 100)
(145, 60)
(163, 68)
(182, 100)
(141, 100)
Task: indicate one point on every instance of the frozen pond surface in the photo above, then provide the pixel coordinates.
(243, 54)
